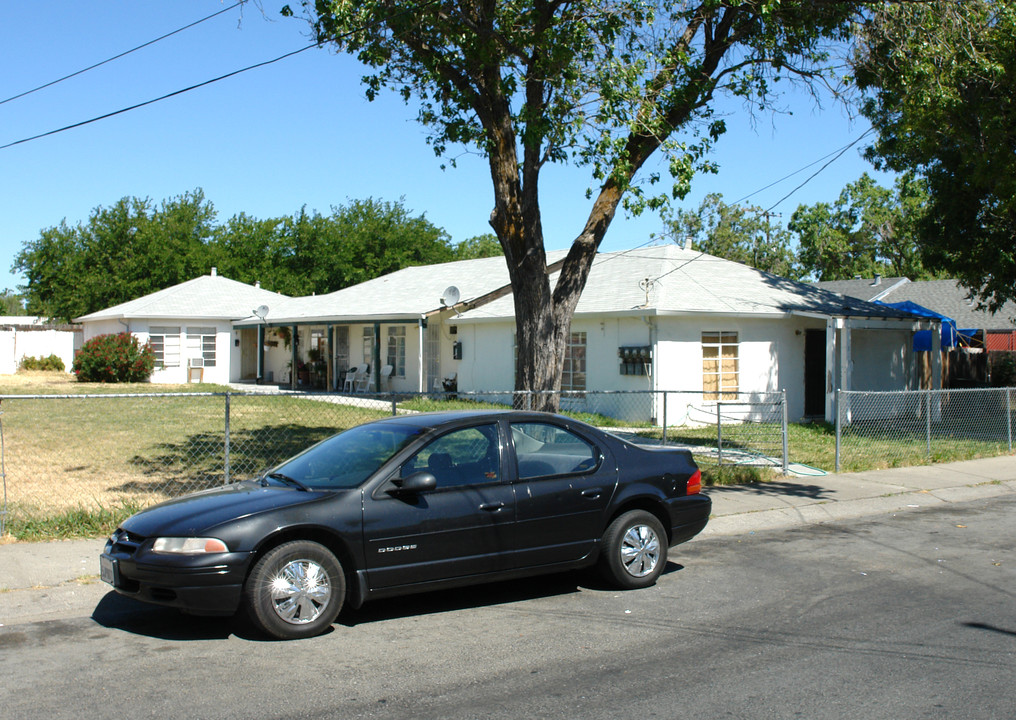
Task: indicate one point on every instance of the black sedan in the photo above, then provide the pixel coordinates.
(407, 504)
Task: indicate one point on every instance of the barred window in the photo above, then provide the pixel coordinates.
(201, 346)
(165, 341)
(397, 350)
(573, 376)
(720, 366)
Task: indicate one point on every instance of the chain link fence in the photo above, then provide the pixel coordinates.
(911, 427)
(62, 452)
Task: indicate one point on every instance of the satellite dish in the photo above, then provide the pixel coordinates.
(261, 311)
(450, 296)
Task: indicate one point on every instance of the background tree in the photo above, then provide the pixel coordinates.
(605, 83)
(869, 230)
(481, 246)
(124, 251)
(746, 235)
(12, 303)
(940, 83)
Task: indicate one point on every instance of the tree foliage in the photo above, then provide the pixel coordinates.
(869, 230)
(134, 248)
(124, 251)
(940, 83)
(603, 83)
(746, 235)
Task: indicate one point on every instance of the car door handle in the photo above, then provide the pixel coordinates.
(492, 507)
(592, 493)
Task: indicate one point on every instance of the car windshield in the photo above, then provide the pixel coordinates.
(347, 459)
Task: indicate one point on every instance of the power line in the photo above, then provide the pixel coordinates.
(158, 99)
(117, 57)
(837, 154)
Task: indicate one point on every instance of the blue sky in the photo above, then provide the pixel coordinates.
(296, 133)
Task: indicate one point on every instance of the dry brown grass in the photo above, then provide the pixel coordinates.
(70, 452)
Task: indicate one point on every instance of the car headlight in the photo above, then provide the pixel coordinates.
(189, 545)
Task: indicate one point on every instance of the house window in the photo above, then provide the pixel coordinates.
(201, 346)
(368, 344)
(397, 350)
(720, 366)
(573, 376)
(165, 341)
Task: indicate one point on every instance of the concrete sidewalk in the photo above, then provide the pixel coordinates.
(45, 577)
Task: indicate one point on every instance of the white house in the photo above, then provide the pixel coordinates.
(190, 327)
(659, 318)
(669, 318)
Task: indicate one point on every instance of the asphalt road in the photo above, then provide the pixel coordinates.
(901, 616)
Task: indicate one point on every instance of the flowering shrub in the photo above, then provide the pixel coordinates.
(51, 363)
(114, 358)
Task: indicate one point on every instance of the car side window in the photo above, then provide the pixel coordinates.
(542, 450)
(470, 456)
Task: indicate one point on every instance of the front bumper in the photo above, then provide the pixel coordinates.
(688, 516)
(200, 584)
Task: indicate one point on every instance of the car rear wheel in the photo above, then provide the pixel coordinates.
(634, 550)
(295, 590)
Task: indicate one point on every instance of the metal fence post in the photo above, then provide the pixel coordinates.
(719, 435)
(927, 421)
(225, 474)
(786, 449)
(664, 417)
(839, 430)
(395, 404)
(1008, 415)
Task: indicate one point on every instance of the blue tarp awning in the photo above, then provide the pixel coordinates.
(922, 338)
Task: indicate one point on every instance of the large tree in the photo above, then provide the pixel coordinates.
(607, 83)
(940, 81)
(868, 230)
(743, 234)
(122, 252)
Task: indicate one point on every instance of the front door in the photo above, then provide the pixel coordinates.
(814, 373)
(463, 527)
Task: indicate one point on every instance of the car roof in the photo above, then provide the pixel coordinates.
(451, 417)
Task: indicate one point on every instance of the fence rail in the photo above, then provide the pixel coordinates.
(60, 452)
(918, 425)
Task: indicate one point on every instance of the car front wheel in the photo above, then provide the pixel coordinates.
(634, 550)
(295, 590)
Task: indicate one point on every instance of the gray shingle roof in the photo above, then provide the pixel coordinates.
(406, 294)
(691, 282)
(946, 297)
(211, 297)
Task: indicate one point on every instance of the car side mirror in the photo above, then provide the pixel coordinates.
(416, 483)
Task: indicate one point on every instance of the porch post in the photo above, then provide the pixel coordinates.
(421, 326)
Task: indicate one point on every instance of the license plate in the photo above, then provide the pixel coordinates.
(107, 569)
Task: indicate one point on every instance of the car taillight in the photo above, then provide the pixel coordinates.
(695, 483)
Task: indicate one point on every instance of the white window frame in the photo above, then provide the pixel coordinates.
(165, 341)
(396, 354)
(719, 348)
(201, 346)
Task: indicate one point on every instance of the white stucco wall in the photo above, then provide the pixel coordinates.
(222, 372)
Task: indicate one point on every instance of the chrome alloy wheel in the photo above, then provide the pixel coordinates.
(300, 591)
(640, 550)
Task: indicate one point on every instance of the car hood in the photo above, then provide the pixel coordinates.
(202, 511)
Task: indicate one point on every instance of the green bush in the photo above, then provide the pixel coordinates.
(51, 363)
(114, 358)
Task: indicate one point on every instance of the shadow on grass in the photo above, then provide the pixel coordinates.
(198, 461)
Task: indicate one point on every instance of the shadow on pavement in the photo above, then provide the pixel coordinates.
(117, 612)
(814, 492)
